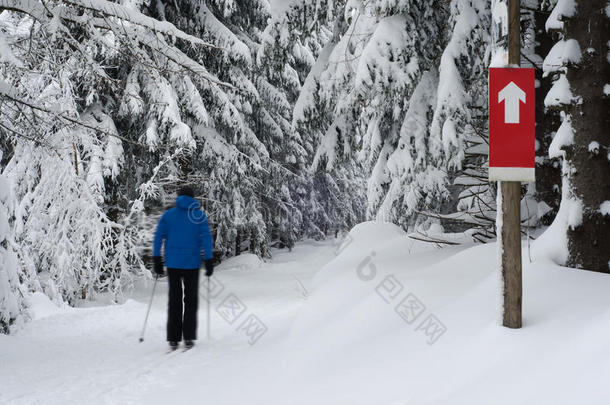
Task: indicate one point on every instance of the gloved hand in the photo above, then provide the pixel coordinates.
(158, 265)
(209, 267)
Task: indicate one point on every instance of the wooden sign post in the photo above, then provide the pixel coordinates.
(511, 197)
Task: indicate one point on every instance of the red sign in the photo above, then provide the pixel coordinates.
(511, 124)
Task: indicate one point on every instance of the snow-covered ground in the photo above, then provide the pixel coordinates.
(380, 319)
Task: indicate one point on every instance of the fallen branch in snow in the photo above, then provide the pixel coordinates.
(426, 238)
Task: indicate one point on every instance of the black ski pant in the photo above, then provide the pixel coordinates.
(181, 324)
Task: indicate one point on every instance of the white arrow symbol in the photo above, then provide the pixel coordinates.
(511, 95)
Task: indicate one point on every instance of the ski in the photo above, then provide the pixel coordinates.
(172, 349)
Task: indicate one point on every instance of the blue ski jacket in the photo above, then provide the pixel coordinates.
(185, 231)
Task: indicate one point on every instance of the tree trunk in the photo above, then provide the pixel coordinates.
(589, 243)
(548, 171)
(238, 243)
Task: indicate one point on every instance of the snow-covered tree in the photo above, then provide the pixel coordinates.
(12, 287)
(403, 88)
(128, 100)
(244, 185)
(95, 96)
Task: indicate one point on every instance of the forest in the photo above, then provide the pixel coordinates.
(291, 119)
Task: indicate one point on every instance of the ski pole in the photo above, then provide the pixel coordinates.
(208, 299)
(148, 310)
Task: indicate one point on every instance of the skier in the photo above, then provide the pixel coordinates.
(184, 232)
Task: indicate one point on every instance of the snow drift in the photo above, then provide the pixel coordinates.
(352, 342)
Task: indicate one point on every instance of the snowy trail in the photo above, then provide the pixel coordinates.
(92, 355)
(341, 329)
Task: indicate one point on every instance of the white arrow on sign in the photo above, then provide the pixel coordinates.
(511, 95)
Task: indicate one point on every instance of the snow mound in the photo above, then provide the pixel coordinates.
(368, 232)
(40, 306)
(369, 238)
(245, 261)
(390, 322)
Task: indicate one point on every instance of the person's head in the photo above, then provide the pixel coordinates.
(186, 190)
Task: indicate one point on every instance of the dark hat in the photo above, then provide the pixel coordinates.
(186, 190)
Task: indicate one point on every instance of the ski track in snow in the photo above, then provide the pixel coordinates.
(92, 355)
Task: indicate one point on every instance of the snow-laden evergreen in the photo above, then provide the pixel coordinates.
(304, 33)
(66, 140)
(406, 85)
(12, 289)
(109, 107)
